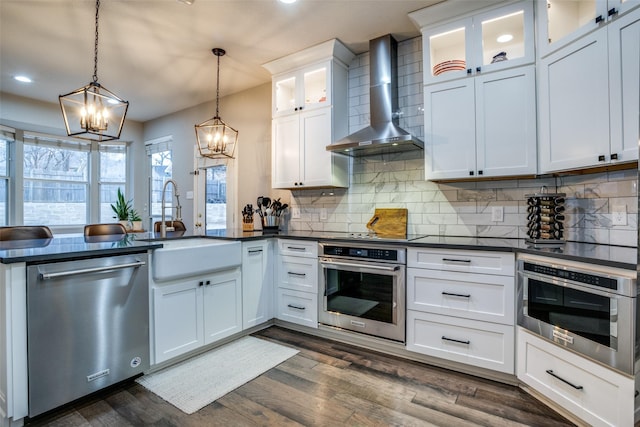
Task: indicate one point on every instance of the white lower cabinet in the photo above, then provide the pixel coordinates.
(297, 282)
(593, 393)
(482, 344)
(298, 307)
(193, 312)
(257, 283)
(461, 306)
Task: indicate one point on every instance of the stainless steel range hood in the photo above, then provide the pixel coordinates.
(383, 135)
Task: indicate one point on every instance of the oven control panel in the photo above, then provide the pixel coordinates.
(361, 252)
(574, 276)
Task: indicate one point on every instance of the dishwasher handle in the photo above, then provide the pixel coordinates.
(47, 276)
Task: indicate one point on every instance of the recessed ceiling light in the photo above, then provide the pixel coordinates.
(189, 2)
(504, 38)
(288, 1)
(23, 79)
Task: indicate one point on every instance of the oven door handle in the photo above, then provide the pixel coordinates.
(368, 266)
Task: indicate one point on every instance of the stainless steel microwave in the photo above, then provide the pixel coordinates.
(589, 309)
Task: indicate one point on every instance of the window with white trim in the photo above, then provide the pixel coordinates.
(59, 187)
(159, 153)
(6, 138)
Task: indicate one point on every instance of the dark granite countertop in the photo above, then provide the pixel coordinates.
(70, 247)
(74, 246)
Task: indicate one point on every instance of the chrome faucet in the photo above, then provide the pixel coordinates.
(163, 225)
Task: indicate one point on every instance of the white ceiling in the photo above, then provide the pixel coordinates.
(156, 54)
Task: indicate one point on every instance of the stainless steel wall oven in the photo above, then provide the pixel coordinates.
(590, 309)
(362, 288)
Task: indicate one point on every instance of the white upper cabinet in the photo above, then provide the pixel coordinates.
(302, 89)
(480, 112)
(483, 42)
(589, 100)
(310, 111)
(481, 128)
(562, 21)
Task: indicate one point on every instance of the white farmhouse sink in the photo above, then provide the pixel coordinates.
(193, 257)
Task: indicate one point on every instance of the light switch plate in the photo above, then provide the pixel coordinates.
(295, 213)
(497, 214)
(323, 213)
(619, 215)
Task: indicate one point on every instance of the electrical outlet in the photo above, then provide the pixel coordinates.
(323, 213)
(619, 215)
(497, 214)
(295, 213)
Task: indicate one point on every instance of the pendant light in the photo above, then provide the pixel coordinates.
(93, 112)
(215, 138)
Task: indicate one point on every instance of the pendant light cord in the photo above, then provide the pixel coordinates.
(95, 48)
(218, 88)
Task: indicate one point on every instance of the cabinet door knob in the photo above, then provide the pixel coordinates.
(612, 11)
(208, 282)
(601, 158)
(479, 172)
(200, 283)
(301, 183)
(470, 173)
(478, 69)
(295, 109)
(614, 156)
(468, 70)
(599, 19)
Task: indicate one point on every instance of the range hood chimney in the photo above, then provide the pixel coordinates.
(383, 135)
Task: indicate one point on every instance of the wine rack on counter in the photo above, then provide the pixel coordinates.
(545, 217)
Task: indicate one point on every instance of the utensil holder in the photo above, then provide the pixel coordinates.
(270, 223)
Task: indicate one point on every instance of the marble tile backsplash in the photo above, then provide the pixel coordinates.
(455, 209)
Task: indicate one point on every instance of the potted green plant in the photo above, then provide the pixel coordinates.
(136, 221)
(122, 209)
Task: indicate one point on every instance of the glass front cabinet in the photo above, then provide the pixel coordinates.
(563, 21)
(488, 41)
(303, 89)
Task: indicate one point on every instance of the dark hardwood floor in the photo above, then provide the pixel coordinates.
(326, 384)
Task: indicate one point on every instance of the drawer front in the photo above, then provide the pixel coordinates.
(500, 263)
(487, 345)
(595, 394)
(472, 296)
(298, 307)
(301, 248)
(298, 273)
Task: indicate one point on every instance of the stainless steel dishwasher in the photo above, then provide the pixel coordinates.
(87, 325)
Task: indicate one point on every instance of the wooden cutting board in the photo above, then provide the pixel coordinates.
(389, 222)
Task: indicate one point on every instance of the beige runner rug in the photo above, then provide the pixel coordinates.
(194, 383)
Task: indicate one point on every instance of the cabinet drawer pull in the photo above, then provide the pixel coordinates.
(612, 11)
(456, 295)
(599, 19)
(297, 307)
(455, 340)
(478, 69)
(601, 158)
(468, 70)
(296, 248)
(291, 273)
(470, 173)
(466, 261)
(614, 156)
(255, 251)
(201, 283)
(577, 387)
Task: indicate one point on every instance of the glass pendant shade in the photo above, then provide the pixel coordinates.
(215, 138)
(93, 112)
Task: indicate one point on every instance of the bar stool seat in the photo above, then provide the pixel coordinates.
(25, 232)
(104, 229)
